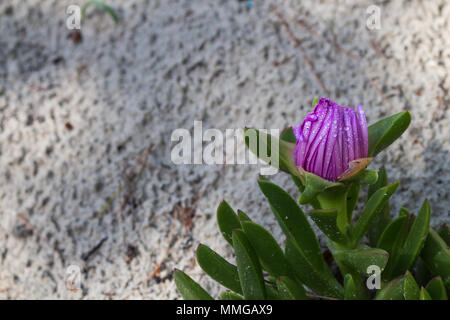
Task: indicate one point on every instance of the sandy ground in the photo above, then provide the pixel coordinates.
(81, 121)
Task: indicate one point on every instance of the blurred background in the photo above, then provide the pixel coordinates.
(91, 205)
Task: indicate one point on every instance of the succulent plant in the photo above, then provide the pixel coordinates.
(376, 256)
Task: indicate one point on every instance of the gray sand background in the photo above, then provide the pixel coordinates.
(77, 121)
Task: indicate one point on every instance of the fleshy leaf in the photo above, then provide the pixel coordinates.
(291, 289)
(218, 268)
(444, 233)
(257, 141)
(326, 220)
(411, 290)
(382, 220)
(226, 295)
(392, 240)
(294, 223)
(415, 241)
(350, 292)
(436, 289)
(424, 295)
(360, 259)
(267, 249)
(189, 289)
(386, 131)
(227, 221)
(401, 288)
(242, 216)
(436, 256)
(373, 208)
(320, 283)
(352, 199)
(249, 269)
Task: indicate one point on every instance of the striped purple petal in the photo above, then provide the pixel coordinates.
(330, 138)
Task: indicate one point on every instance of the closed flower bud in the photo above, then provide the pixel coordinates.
(329, 138)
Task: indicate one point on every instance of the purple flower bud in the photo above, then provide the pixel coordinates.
(329, 138)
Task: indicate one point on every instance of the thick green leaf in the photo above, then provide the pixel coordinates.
(360, 259)
(382, 220)
(350, 292)
(261, 144)
(321, 283)
(392, 240)
(290, 289)
(352, 199)
(386, 131)
(326, 220)
(436, 289)
(249, 270)
(218, 268)
(267, 249)
(444, 233)
(242, 216)
(411, 290)
(424, 295)
(102, 6)
(393, 290)
(436, 256)
(230, 296)
(401, 288)
(272, 292)
(294, 223)
(189, 289)
(373, 208)
(227, 221)
(415, 240)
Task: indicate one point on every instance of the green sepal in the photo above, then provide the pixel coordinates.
(385, 131)
(283, 152)
(189, 289)
(314, 185)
